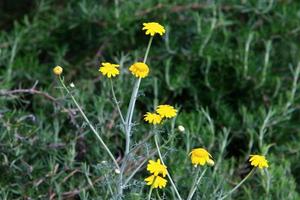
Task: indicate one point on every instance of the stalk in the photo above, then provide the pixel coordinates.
(196, 183)
(162, 161)
(116, 101)
(238, 185)
(89, 123)
(128, 120)
(131, 106)
(150, 192)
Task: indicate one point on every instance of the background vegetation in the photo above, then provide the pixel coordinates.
(230, 66)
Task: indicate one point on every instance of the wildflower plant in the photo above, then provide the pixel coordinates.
(139, 70)
(160, 175)
(231, 67)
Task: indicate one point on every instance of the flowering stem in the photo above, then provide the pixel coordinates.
(238, 185)
(158, 195)
(148, 49)
(150, 192)
(138, 168)
(132, 102)
(130, 114)
(196, 183)
(168, 174)
(116, 101)
(89, 123)
(128, 120)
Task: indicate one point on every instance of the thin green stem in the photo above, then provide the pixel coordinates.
(116, 101)
(128, 120)
(137, 169)
(131, 106)
(131, 111)
(128, 132)
(148, 49)
(162, 161)
(141, 164)
(158, 196)
(238, 185)
(150, 193)
(196, 183)
(89, 123)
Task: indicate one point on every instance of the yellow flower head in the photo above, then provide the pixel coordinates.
(57, 70)
(109, 70)
(157, 168)
(139, 70)
(166, 111)
(156, 181)
(200, 156)
(258, 161)
(153, 27)
(152, 118)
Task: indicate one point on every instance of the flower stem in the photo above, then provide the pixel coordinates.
(196, 183)
(131, 106)
(138, 168)
(150, 193)
(158, 196)
(130, 114)
(116, 101)
(148, 49)
(89, 123)
(238, 185)
(128, 120)
(133, 99)
(168, 174)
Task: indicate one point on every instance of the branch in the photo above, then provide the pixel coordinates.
(31, 90)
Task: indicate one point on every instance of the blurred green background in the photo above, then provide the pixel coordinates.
(231, 67)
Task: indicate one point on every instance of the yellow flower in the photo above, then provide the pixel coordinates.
(157, 168)
(152, 118)
(153, 27)
(258, 161)
(156, 181)
(139, 70)
(200, 156)
(166, 111)
(57, 70)
(109, 70)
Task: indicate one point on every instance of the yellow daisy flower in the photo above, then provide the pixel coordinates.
(200, 156)
(258, 161)
(166, 111)
(153, 27)
(156, 181)
(57, 70)
(139, 70)
(109, 70)
(157, 168)
(152, 118)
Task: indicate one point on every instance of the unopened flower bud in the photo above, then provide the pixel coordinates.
(72, 85)
(210, 162)
(181, 128)
(57, 70)
(117, 171)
